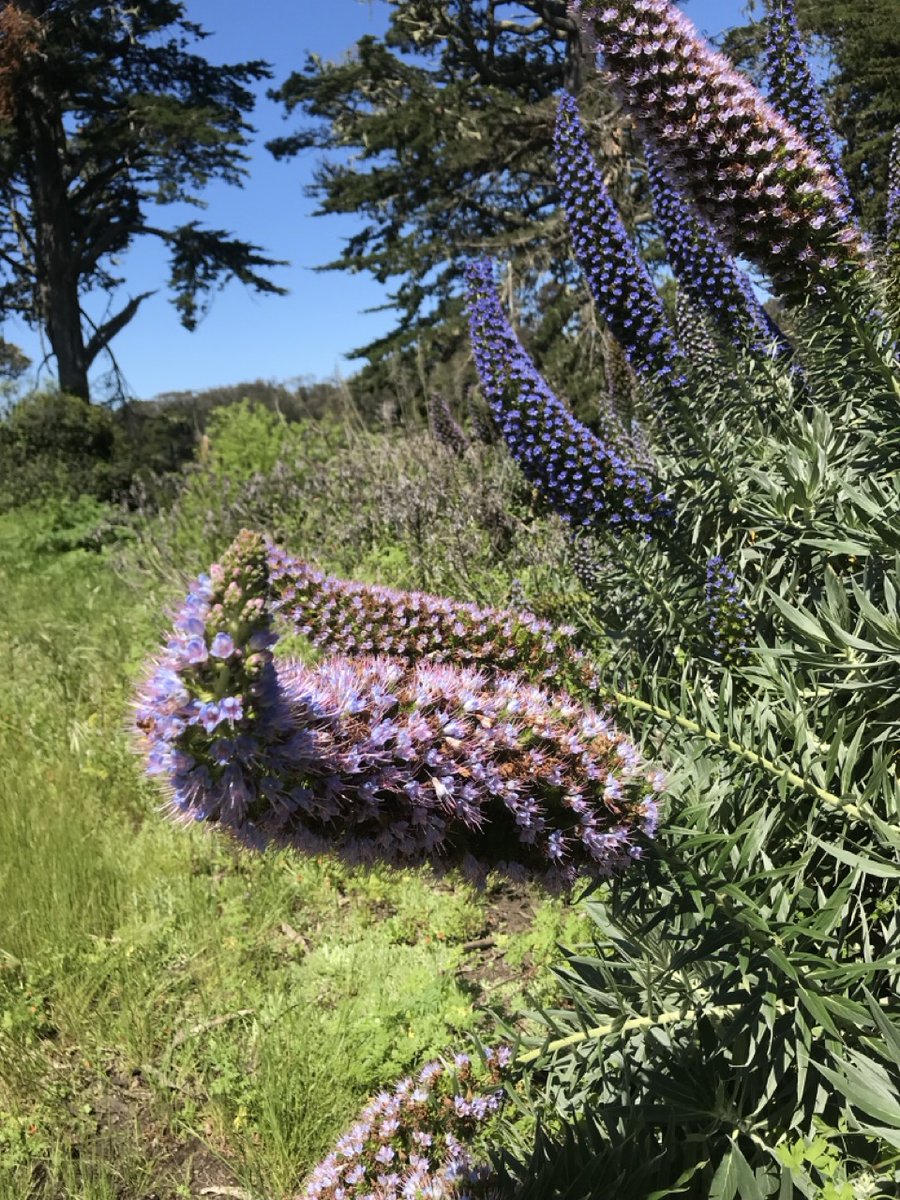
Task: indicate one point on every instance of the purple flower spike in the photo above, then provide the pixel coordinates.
(729, 620)
(769, 195)
(352, 619)
(705, 269)
(371, 759)
(793, 89)
(414, 1142)
(619, 281)
(445, 427)
(582, 478)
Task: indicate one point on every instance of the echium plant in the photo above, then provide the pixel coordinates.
(734, 1032)
(616, 274)
(768, 193)
(445, 427)
(586, 481)
(369, 759)
(793, 91)
(416, 1139)
(345, 617)
(704, 268)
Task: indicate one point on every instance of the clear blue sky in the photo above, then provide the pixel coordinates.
(310, 331)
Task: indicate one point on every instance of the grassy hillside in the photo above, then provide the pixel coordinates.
(175, 1015)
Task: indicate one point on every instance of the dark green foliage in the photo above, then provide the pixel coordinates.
(13, 363)
(291, 403)
(105, 114)
(52, 444)
(449, 120)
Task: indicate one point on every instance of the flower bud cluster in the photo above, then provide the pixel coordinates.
(618, 419)
(414, 1140)
(704, 268)
(729, 620)
(345, 617)
(371, 759)
(695, 334)
(616, 274)
(793, 89)
(445, 427)
(581, 478)
(480, 418)
(892, 228)
(766, 191)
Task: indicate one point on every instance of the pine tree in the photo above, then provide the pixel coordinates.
(448, 121)
(106, 111)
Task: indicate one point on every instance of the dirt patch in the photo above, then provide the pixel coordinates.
(510, 910)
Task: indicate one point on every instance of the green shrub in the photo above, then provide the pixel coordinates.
(52, 444)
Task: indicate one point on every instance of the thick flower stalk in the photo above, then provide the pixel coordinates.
(371, 760)
(892, 227)
(768, 193)
(415, 1140)
(616, 274)
(354, 619)
(793, 89)
(586, 481)
(704, 267)
(695, 334)
(445, 427)
(729, 620)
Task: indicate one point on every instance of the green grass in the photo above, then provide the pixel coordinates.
(171, 1010)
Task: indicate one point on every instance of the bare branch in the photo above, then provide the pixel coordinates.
(104, 333)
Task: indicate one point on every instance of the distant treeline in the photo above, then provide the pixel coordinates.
(52, 444)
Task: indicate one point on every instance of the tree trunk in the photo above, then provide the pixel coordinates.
(55, 261)
(59, 299)
(580, 61)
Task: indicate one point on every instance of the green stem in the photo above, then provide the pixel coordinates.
(850, 809)
(629, 1026)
